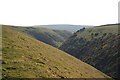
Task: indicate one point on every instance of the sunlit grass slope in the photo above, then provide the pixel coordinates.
(97, 32)
(26, 57)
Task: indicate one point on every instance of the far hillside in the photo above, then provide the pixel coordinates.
(49, 36)
(97, 46)
(68, 27)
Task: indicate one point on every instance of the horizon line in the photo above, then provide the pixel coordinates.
(59, 24)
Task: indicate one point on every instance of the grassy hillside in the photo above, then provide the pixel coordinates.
(49, 36)
(97, 32)
(96, 46)
(26, 57)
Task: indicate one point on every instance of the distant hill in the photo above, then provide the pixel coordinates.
(68, 27)
(96, 46)
(26, 57)
(49, 36)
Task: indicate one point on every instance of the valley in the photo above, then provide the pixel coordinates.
(26, 57)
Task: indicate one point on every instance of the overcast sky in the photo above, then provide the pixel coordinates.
(43, 12)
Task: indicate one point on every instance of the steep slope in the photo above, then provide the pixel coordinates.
(26, 57)
(49, 36)
(96, 46)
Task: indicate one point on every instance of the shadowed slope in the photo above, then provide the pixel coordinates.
(97, 46)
